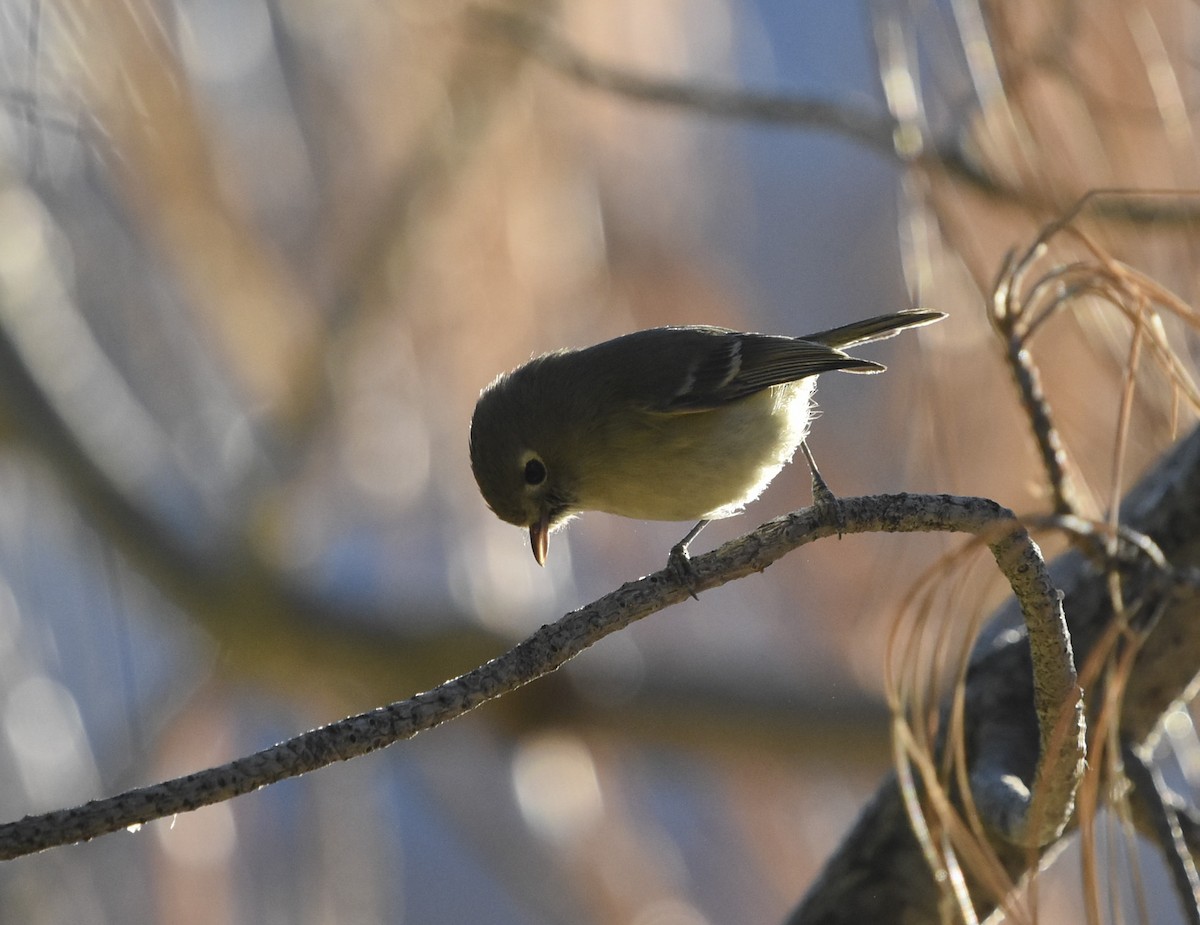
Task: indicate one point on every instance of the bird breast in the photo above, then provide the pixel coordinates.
(698, 465)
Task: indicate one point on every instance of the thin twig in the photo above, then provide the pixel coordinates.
(1160, 805)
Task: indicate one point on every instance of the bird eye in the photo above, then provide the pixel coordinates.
(535, 472)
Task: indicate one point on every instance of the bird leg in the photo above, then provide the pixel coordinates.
(680, 563)
(823, 499)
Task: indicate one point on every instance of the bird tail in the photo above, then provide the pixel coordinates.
(877, 328)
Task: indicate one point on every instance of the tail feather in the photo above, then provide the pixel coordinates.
(871, 329)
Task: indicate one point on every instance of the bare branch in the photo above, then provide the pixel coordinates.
(554, 644)
(875, 129)
(1161, 807)
(882, 848)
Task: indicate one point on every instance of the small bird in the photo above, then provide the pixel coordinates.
(672, 423)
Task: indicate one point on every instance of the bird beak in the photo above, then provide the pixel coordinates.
(539, 538)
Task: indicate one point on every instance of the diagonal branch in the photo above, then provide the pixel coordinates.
(873, 128)
(554, 644)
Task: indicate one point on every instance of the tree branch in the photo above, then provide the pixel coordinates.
(554, 644)
(882, 849)
(874, 128)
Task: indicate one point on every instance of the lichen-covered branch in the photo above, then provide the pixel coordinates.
(556, 643)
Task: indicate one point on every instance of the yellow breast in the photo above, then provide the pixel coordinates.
(697, 465)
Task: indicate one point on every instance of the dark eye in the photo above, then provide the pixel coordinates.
(535, 472)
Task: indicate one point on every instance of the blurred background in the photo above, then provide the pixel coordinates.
(257, 258)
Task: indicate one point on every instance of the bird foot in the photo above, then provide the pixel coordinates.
(679, 564)
(824, 500)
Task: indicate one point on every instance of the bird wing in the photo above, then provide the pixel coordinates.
(694, 368)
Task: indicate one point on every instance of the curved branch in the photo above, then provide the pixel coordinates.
(882, 849)
(554, 644)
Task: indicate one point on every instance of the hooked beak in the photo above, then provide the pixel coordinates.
(539, 538)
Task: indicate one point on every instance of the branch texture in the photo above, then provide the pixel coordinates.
(553, 645)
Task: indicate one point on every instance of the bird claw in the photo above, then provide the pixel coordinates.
(679, 564)
(824, 500)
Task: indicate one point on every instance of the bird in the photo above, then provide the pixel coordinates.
(680, 423)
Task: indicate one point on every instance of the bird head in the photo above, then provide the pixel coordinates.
(513, 457)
